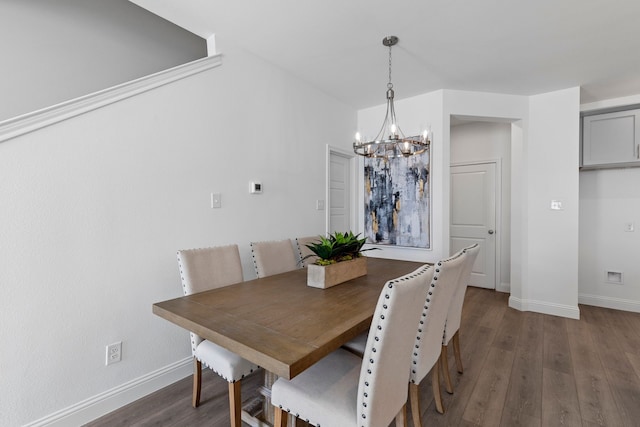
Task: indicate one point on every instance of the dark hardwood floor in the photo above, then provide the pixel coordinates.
(520, 369)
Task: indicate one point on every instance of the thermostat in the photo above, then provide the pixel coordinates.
(256, 187)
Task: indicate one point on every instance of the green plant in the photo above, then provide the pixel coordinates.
(337, 247)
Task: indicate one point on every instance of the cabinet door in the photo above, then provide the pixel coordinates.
(610, 138)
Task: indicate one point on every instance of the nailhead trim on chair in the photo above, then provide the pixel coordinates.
(424, 313)
(379, 328)
(255, 263)
(222, 376)
(287, 410)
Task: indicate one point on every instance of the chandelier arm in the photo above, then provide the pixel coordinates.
(380, 136)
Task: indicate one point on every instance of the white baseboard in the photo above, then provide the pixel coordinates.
(103, 403)
(571, 312)
(609, 302)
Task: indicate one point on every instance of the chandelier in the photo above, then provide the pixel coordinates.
(390, 141)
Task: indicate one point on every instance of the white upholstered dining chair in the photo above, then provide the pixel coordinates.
(343, 389)
(273, 257)
(428, 340)
(202, 270)
(304, 251)
(452, 325)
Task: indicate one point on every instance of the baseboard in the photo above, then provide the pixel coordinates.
(117, 397)
(609, 302)
(571, 312)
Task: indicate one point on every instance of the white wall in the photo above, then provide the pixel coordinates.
(95, 207)
(489, 141)
(552, 162)
(608, 199)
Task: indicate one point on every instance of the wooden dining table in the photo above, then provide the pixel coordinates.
(280, 323)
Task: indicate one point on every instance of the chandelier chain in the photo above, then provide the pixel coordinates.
(389, 85)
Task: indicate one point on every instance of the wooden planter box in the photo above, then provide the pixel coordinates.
(319, 276)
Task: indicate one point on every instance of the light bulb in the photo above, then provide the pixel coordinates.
(358, 137)
(394, 129)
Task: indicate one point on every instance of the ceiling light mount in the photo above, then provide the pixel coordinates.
(390, 141)
(390, 41)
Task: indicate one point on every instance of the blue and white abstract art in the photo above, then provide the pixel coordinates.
(397, 201)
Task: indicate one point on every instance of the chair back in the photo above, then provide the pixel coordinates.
(273, 257)
(455, 308)
(304, 251)
(428, 341)
(208, 268)
(382, 388)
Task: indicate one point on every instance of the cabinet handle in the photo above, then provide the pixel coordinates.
(638, 151)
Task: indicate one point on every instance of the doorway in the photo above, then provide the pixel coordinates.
(476, 141)
(473, 217)
(341, 180)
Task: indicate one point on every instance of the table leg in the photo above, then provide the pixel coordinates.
(267, 408)
(265, 391)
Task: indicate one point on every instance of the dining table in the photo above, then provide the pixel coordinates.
(280, 323)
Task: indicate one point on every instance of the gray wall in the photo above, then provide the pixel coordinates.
(52, 51)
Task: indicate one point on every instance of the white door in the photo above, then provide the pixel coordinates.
(473, 218)
(339, 191)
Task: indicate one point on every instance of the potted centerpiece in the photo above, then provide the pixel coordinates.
(339, 259)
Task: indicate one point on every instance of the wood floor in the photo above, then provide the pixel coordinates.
(520, 369)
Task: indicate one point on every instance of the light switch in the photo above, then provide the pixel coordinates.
(216, 200)
(320, 205)
(628, 226)
(255, 187)
(556, 205)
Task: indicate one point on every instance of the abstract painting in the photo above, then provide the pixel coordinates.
(397, 197)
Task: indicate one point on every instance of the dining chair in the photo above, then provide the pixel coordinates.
(428, 340)
(273, 257)
(304, 251)
(452, 325)
(202, 270)
(343, 389)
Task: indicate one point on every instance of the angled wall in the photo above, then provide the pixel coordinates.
(54, 51)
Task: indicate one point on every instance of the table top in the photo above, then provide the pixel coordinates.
(279, 322)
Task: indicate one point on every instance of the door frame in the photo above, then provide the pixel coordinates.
(498, 209)
(353, 163)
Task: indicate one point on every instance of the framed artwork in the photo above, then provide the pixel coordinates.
(397, 197)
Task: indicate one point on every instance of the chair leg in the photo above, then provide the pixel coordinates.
(456, 350)
(414, 397)
(235, 404)
(444, 359)
(280, 417)
(401, 418)
(197, 382)
(435, 384)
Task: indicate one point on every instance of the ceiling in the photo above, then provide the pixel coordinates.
(520, 47)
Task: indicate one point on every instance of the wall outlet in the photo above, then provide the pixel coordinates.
(216, 200)
(114, 353)
(615, 277)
